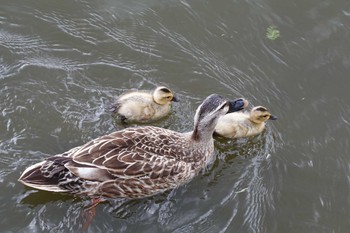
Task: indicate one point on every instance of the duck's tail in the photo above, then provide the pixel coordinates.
(36, 177)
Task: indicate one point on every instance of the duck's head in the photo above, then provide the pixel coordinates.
(207, 116)
(163, 95)
(238, 104)
(260, 114)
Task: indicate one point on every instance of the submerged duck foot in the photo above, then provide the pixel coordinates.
(94, 202)
(89, 213)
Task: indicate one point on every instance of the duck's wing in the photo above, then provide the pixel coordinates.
(130, 153)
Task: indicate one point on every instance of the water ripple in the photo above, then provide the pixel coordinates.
(20, 44)
(76, 27)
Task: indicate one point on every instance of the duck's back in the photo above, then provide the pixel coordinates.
(150, 140)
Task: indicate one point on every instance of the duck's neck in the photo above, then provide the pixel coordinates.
(195, 134)
(201, 134)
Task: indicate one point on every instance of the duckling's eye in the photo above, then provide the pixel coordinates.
(264, 116)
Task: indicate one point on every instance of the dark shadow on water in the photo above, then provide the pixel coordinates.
(120, 208)
(229, 149)
(129, 210)
(33, 197)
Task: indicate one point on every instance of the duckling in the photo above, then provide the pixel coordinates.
(243, 124)
(144, 106)
(135, 162)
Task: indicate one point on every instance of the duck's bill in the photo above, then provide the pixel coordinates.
(175, 99)
(237, 105)
(272, 117)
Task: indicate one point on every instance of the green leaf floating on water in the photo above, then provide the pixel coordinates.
(272, 33)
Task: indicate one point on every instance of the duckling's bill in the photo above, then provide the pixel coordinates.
(273, 117)
(175, 98)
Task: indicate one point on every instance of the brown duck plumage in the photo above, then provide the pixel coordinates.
(134, 162)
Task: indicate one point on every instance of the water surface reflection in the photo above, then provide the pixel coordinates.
(62, 63)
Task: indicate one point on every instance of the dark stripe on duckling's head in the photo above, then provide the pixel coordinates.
(261, 109)
(165, 90)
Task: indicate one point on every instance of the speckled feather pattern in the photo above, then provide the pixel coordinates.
(129, 163)
(133, 163)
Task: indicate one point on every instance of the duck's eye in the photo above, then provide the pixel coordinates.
(223, 106)
(264, 116)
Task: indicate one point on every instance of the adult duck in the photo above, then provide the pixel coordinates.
(144, 106)
(243, 124)
(134, 162)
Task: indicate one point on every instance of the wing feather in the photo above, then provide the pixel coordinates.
(133, 152)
